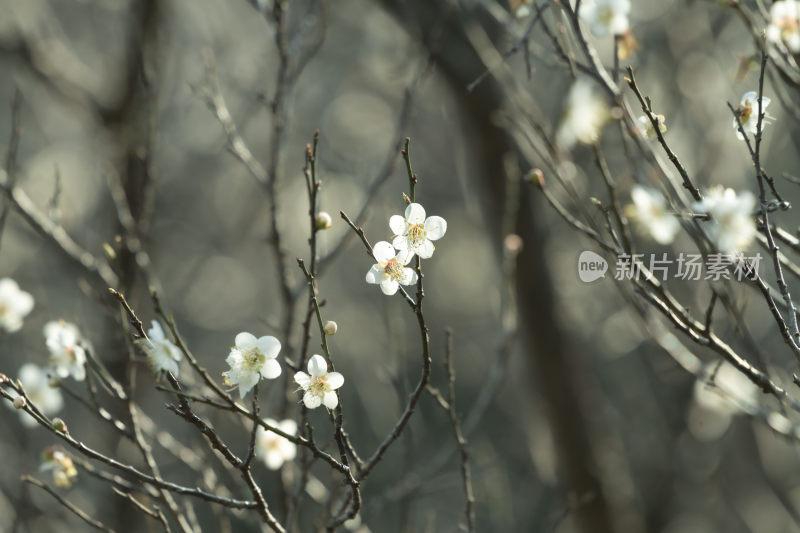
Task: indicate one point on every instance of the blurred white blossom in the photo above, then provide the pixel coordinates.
(606, 16)
(415, 233)
(64, 471)
(15, 304)
(251, 359)
(273, 449)
(319, 384)
(784, 24)
(651, 213)
(731, 227)
(67, 354)
(162, 354)
(646, 129)
(36, 384)
(390, 271)
(748, 114)
(586, 113)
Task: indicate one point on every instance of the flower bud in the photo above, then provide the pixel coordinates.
(323, 220)
(59, 425)
(331, 327)
(512, 244)
(3, 379)
(19, 402)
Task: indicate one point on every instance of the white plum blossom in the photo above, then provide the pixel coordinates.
(273, 449)
(415, 233)
(319, 384)
(731, 228)
(784, 25)
(748, 114)
(15, 304)
(250, 360)
(162, 354)
(67, 354)
(651, 213)
(646, 129)
(61, 464)
(586, 113)
(606, 17)
(36, 384)
(390, 271)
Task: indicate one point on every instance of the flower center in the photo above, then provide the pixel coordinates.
(416, 234)
(605, 15)
(744, 112)
(394, 269)
(252, 360)
(3, 310)
(319, 386)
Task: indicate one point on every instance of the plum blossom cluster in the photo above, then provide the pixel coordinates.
(747, 114)
(274, 449)
(56, 460)
(585, 115)
(784, 25)
(251, 359)
(319, 385)
(414, 233)
(606, 17)
(15, 304)
(162, 354)
(652, 215)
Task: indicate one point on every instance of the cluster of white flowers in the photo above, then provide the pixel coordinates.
(606, 17)
(732, 227)
(162, 354)
(319, 384)
(273, 449)
(15, 304)
(413, 234)
(586, 114)
(64, 471)
(37, 386)
(784, 25)
(251, 359)
(646, 129)
(747, 111)
(66, 346)
(651, 213)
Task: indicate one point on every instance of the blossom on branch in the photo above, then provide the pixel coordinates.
(67, 354)
(747, 113)
(390, 271)
(162, 354)
(732, 227)
(651, 213)
(784, 25)
(586, 114)
(15, 304)
(645, 126)
(319, 384)
(61, 464)
(415, 233)
(606, 17)
(273, 449)
(36, 384)
(250, 360)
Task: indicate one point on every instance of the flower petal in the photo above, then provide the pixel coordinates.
(302, 379)
(404, 257)
(269, 346)
(317, 365)
(234, 358)
(271, 369)
(382, 251)
(408, 277)
(245, 341)
(331, 400)
(415, 214)
(400, 242)
(247, 380)
(397, 224)
(389, 286)
(425, 249)
(334, 380)
(375, 274)
(312, 401)
(435, 228)
(155, 332)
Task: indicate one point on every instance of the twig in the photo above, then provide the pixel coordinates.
(66, 503)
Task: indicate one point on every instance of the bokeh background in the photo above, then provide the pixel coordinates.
(666, 461)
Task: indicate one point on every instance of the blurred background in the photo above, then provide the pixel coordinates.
(567, 403)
